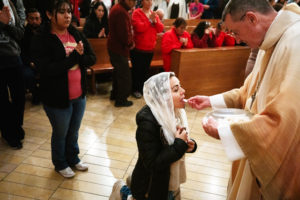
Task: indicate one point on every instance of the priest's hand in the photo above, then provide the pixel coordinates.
(199, 102)
(211, 127)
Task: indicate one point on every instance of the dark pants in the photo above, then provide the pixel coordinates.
(12, 99)
(140, 68)
(121, 86)
(65, 126)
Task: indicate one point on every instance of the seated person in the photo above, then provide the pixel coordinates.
(162, 139)
(196, 9)
(96, 25)
(175, 38)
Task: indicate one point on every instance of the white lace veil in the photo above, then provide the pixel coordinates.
(158, 96)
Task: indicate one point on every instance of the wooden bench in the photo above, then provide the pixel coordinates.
(103, 64)
(189, 29)
(192, 22)
(210, 71)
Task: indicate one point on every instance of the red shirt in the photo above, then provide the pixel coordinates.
(120, 33)
(144, 31)
(170, 41)
(74, 74)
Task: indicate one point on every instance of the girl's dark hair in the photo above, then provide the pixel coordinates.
(95, 7)
(179, 21)
(55, 5)
(1, 4)
(200, 28)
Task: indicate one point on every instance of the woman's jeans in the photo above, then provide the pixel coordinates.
(65, 126)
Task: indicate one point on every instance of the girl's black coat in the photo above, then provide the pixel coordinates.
(152, 171)
(49, 56)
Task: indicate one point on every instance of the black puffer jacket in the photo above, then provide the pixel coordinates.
(152, 171)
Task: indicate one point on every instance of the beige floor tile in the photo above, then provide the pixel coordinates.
(12, 159)
(208, 179)
(24, 190)
(5, 196)
(31, 180)
(97, 169)
(197, 195)
(63, 194)
(110, 155)
(105, 162)
(95, 178)
(83, 186)
(38, 171)
(7, 167)
(204, 187)
(2, 175)
(39, 162)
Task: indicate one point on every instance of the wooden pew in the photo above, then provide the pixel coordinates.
(102, 64)
(210, 71)
(192, 22)
(189, 29)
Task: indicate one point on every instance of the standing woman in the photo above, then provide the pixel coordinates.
(176, 38)
(146, 24)
(62, 54)
(96, 25)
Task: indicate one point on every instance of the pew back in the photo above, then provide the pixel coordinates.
(210, 71)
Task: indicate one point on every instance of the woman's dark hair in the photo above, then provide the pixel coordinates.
(179, 21)
(1, 4)
(200, 28)
(95, 7)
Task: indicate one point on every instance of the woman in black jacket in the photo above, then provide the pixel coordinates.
(62, 54)
(162, 139)
(96, 25)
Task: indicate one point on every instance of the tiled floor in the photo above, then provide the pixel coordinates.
(107, 144)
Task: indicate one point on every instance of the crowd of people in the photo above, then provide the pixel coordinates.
(49, 57)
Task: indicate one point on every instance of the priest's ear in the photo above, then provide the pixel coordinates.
(251, 17)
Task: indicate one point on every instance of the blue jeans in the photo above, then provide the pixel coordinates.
(65, 125)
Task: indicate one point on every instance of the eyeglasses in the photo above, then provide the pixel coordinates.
(236, 33)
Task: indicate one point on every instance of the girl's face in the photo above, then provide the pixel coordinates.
(180, 29)
(99, 12)
(147, 4)
(63, 17)
(177, 93)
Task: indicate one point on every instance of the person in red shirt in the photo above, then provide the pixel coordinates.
(119, 42)
(176, 38)
(146, 24)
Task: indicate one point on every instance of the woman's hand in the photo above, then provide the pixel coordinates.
(79, 48)
(191, 145)
(181, 134)
(102, 33)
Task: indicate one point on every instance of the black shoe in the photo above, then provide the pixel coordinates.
(16, 145)
(112, 96)
(137, 95)
(123, 103)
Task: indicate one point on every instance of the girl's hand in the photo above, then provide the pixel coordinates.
(79, 48)
(181, 134)
(191, 145)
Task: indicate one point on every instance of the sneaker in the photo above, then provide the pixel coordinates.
(123, 103)
(67, 172)
(137, 95)
(81, 166)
